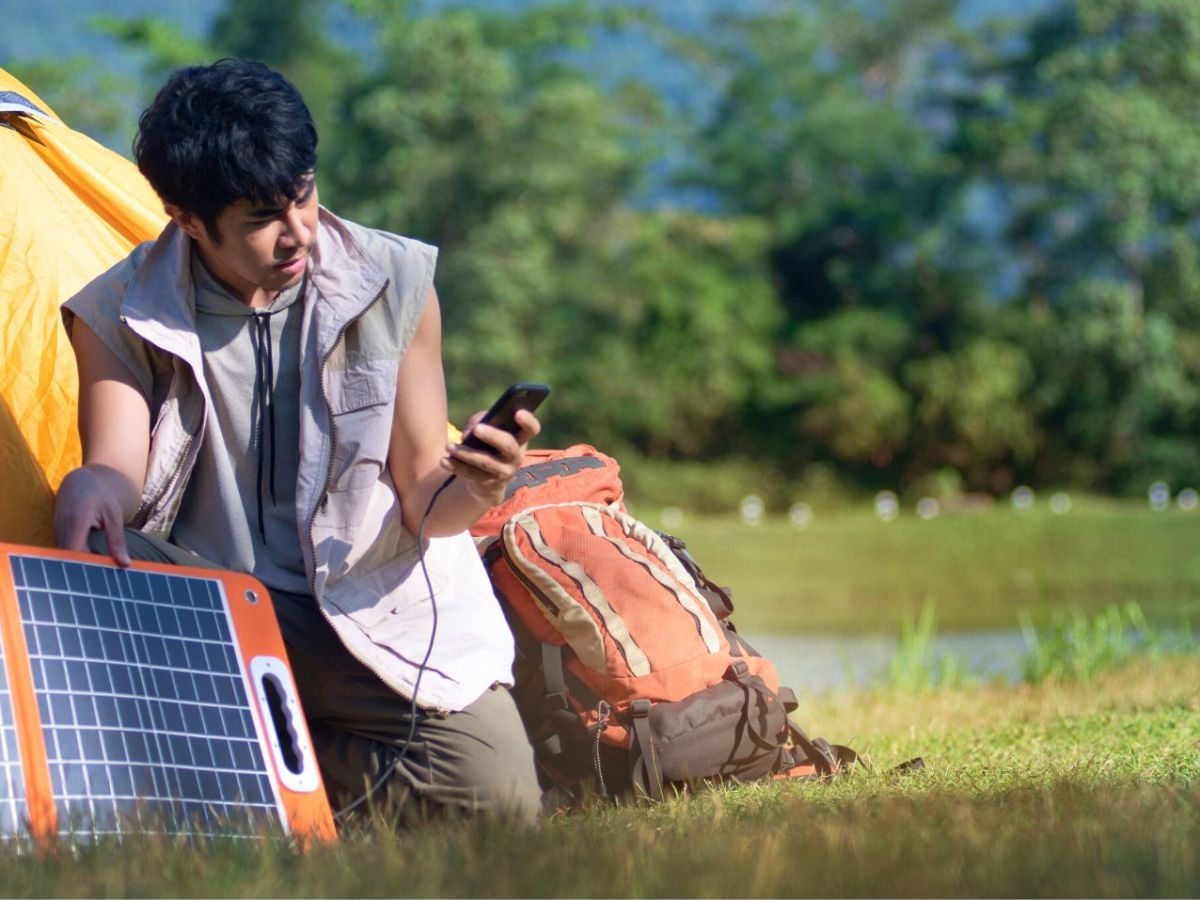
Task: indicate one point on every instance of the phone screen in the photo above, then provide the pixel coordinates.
(523, 395)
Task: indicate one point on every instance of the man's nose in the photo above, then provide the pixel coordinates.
(296, 232)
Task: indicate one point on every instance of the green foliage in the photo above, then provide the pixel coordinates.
(512, 166)
(1076, 646)
(914, 668)
(1090, 128)
(868, 228)
(932, 247)
(163, 43)
(474, 134)
(972, 409)
(674, 349)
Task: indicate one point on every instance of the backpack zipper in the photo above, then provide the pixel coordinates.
(603, 711)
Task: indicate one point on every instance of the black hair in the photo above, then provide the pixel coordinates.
(234, 130)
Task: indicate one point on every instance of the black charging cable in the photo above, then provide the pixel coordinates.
(416, 710)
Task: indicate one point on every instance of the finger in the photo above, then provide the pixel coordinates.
(475, 464)
(114, 533)
(500, 461)
(530, 426)
(72, 534)
(504, 445)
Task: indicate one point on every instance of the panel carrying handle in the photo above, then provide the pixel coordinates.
(283, 722)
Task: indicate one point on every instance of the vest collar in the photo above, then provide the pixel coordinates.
(160, 301)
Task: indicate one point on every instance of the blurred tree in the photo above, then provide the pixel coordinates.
(671, 356)
(1087, 123)
(830, 127)
(477, 134)
(162, 44)
(292, 36)
(971, 411)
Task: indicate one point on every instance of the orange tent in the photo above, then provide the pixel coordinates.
(69, 209)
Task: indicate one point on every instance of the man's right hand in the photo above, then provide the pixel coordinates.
(88, 499)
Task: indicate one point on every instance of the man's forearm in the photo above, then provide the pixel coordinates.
(456, 509)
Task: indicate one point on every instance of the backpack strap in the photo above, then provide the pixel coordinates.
(828, 759)
(556, 707)
(737, 646)
(720, 601)
(739, 672)
(644, 770)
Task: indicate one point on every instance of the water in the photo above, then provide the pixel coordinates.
(824, 662)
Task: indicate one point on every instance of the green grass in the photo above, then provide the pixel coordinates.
(1058, 789)
(1084, 782)
(850, 572)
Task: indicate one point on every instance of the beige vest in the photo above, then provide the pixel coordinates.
(367, 293)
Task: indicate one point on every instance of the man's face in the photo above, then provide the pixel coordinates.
(262, 249)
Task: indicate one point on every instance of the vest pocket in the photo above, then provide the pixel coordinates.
(362, 400)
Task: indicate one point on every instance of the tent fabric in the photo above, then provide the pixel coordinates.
(69, 209)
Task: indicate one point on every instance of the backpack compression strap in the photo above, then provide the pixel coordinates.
(644, 770)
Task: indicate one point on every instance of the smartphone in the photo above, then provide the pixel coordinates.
(502, 415)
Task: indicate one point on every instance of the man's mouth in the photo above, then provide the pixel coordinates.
(293, 265)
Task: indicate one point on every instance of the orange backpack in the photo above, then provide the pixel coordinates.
(629, 674)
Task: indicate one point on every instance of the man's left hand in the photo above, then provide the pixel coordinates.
(486, 475)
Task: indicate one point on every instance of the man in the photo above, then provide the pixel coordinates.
(261, 389)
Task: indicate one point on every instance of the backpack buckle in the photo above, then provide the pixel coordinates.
(737, 670)
(640, 708)
(556, 701)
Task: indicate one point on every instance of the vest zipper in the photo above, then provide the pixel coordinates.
(321, 504)
(143, 511)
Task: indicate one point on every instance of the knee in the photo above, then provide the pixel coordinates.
(492, 760)
(509, 789)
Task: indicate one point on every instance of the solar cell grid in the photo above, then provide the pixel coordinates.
(12, 782)
(143, 703)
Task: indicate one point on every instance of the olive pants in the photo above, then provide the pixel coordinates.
(476, 760)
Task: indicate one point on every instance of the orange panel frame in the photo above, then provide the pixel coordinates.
(257, 634)
(43, 821)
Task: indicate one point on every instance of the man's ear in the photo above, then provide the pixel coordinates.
(189, 222)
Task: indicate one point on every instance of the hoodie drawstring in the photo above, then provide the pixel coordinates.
(264, 392)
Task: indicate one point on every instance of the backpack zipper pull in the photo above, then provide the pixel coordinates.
(603, 711)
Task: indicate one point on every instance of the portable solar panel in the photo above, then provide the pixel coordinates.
(153, 698)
